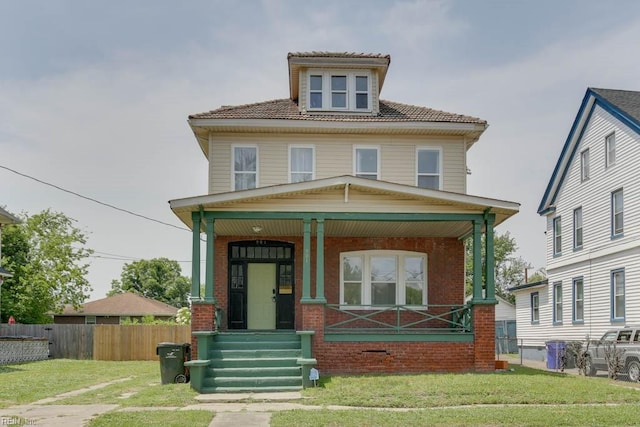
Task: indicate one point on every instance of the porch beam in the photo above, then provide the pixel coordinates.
(306, 262)
(490, 295)
(477, 261)
(195, 257)
(209, 276)
(361, 216)
(320, 261)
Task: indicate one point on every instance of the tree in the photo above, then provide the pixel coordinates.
(538, 276)
(46, 254)
(509, 270)
(158, 278)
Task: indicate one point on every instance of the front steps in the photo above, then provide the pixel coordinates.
(242, 362)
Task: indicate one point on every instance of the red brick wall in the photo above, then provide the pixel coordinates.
(484, 327)
(202, 319)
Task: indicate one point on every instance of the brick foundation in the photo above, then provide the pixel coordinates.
(202, 319)
(484, 327)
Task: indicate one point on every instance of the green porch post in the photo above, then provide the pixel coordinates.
(320, 261)
(477, 261)
(209, 276)
(306, 262)
(195, 257)
(490, 261)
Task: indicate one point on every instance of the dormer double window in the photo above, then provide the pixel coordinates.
(339, 91)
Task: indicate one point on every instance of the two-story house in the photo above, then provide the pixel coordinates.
(593, 228)
(334, 225)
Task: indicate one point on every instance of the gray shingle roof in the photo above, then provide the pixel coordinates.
(288, 110)
(626, 100)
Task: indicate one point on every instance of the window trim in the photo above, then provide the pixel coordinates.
(574, 300)
(535, 308)
(609, 159)
(614, 306)
(313, 161)
(365, 290)
(351, 92)
(233, 164)
(585, 167)
(615, 234)
(557, 235)
(557, 303)
(576, 244)
(355, 159)
(440, 165)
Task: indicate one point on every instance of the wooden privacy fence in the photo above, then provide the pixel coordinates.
(135, 342)
(101, 342)
(65, 341)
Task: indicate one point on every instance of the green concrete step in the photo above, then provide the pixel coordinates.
(257, 336)
(254, 353)
(257, 345)
(271, 371)
(253, 382)
(246, 363)
(207, 390)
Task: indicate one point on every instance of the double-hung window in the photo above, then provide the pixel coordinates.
(584, 165)
(610, 149)
(578, 300)
(339, 90)
(535, 307)
(557, 303)
(428, 165)
(577, 228)
(617, 294)
(245, 168)
(383, 278)
(301, 163)
(557, 236)
(366, 162)
(617, 213)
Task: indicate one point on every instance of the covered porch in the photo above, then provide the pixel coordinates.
(334, 222)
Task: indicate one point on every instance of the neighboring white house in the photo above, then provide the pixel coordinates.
(592, 206)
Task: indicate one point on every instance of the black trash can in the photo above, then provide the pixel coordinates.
(172, 358)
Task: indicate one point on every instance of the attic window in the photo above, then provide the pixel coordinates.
(339, 90)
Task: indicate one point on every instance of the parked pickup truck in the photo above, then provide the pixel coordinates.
(627, 339)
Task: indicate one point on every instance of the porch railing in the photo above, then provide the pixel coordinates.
(397, 319)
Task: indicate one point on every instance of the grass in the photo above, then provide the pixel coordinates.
(540, 397)
(521, 386)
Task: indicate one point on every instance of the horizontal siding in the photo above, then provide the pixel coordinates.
(596, 275)
(594, 195)
(334, 157)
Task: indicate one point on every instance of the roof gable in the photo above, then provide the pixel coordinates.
(622, 104)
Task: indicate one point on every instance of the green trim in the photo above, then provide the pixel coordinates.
(490, 259)
(209, 276)
(320, 260)
(306, 260)
(195, 258)
(310, 300)
(484, 302)
(477, 261)
(361, 216)
(435, 337)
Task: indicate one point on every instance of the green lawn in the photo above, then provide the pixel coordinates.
(523, 396)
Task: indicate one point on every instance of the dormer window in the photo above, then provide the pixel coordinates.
(339, 90)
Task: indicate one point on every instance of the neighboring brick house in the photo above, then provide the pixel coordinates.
(115, 310)
(593, 228)
(340, 216)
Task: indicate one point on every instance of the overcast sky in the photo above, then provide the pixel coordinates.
(94, 96)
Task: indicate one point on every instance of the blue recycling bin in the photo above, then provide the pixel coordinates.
(556, 351)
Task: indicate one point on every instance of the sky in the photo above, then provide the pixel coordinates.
(94, 96)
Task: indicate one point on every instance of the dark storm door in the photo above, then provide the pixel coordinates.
(285, 302)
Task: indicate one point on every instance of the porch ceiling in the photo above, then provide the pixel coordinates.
(341, 228)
